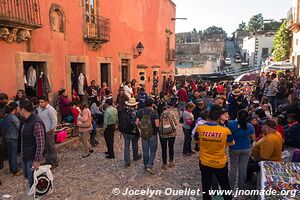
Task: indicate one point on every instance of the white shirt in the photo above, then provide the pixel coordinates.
(128, 91)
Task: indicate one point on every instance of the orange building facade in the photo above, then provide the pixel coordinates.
(95, 37)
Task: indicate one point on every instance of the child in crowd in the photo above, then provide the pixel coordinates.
(257, 128)
(75, 110)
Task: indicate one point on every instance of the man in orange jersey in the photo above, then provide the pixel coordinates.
(213, 140)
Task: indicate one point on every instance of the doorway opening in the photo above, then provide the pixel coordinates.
(125, 70)
(77, 72)
(105, 74)
(35, 73)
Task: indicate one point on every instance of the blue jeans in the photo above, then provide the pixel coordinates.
(180, 107)
(127, 139)
(28, 171)
(187, 144)
(149, 151)
(12, 149)
(238, 163)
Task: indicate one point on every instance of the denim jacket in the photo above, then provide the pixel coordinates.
(11, 127)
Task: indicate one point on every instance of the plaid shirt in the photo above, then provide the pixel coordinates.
(39, 133)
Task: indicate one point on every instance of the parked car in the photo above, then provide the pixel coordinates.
(227, 61)
(245, 64)
(238, 59)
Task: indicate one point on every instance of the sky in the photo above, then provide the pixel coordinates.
(226, 13)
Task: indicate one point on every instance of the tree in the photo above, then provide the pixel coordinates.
(256, 23)
(282, 43)
(213, 30)
(242, 26)
(272, 26)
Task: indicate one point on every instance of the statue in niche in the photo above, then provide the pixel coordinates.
(56, 21)
(56, 16)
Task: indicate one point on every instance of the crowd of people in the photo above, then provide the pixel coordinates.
(250, 122)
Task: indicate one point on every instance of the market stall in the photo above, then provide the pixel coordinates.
(280, 180)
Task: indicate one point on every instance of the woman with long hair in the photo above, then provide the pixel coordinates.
(242, 133)
(21, 95)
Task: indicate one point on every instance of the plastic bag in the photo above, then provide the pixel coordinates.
(42, 182)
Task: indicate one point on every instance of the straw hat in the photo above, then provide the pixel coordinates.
(131, 102)
(237, 92)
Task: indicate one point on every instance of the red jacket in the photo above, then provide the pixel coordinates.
(182, 95)
(75, 113)
(280, 130)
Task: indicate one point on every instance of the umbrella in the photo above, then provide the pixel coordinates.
(246, 77)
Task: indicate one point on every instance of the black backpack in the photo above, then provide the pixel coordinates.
(124, 121)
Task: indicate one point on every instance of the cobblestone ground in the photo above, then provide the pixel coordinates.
(95, 177)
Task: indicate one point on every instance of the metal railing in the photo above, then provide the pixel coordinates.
(98, 30)
(170, 55)
(289, 17)
(20, 13)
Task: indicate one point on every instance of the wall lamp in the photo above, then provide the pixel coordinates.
(140, 49)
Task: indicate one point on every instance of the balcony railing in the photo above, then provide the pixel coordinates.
(97, 31)
(20, 13)
(289, 17)
(293, 21)
(170, 55)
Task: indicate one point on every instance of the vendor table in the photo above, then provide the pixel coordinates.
(283, 177)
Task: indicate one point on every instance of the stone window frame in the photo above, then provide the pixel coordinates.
(57, 8)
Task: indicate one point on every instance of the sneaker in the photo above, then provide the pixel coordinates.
(106, 152)
(150, 170)
(17, 174)
(164, 167)
(110, 157)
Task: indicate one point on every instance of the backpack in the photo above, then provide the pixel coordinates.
(167, 125)
(125, 121)
(146, 126)
(296, 156)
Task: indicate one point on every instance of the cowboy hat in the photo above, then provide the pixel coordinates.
(131, 102)
(236, 92)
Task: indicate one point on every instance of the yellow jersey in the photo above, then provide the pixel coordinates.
(213, 140)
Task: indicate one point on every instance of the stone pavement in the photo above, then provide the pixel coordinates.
(95, 177)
